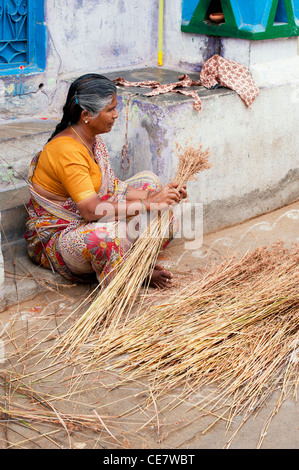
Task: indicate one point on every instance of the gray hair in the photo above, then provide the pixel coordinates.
(90, 92)
(92, 103)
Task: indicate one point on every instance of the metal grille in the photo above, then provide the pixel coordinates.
(14, 32)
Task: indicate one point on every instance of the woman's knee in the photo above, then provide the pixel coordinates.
(155, 181)
(145, 180)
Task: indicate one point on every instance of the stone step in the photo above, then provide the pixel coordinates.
(19, 141)
(23, 279)
(30, 127)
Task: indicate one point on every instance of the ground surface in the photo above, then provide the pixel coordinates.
(113, 412)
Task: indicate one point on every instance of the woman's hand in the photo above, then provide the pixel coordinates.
(92, 208)
(168, 196)
(183, 192)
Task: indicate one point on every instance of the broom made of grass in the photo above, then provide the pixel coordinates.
(120, 295)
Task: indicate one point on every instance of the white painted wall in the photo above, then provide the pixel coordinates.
(101, 34)
(118, 34)
(109, 35)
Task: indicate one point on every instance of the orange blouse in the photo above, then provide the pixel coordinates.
(66, 168)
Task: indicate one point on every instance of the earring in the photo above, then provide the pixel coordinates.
(86, 122)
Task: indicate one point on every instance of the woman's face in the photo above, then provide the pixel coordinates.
(104, 121)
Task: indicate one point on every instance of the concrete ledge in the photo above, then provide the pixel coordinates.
(13, 224)
(254, 151)
(163, 76)
(13, 214)
(17, 129)
(23, 279)
(12, 198)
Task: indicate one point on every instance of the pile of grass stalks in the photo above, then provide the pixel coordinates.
(235, 331)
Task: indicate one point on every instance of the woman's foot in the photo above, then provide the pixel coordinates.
(160, 278)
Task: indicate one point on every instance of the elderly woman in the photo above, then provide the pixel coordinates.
(79, 210)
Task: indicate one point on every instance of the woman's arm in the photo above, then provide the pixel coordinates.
(92, 208)
(133, 193)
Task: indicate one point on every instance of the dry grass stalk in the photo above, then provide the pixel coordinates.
(118, 298)
(39, 409)
(191, 160)
(67, 421)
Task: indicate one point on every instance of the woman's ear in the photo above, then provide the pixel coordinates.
(85, 116)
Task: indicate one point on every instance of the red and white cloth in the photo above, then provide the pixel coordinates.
(216, 71)
(230, 74)
(183, 81)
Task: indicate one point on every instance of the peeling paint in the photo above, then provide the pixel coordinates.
(121, 6)
(158, 142)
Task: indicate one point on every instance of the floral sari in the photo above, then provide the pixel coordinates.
(58, 238)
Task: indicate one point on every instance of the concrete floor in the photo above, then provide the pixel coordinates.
(36, 302)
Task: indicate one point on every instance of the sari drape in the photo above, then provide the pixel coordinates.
(58, 238)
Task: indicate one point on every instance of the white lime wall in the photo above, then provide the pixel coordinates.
(111, 35)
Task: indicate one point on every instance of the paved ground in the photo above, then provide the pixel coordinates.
(35, 304)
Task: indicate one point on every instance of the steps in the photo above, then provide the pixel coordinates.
(19, 141)
(23, 279)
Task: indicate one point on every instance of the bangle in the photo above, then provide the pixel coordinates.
(143, 206)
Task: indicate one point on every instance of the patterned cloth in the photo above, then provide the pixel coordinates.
(183, 82)
(216, 71)
(59, 239)
(219, 71)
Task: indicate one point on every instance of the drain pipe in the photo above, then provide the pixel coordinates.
(160, 38)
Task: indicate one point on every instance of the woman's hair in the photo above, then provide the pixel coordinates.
(90, 92)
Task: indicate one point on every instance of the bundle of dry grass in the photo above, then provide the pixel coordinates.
(116, 300)
(235, 331)
(191, 160)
